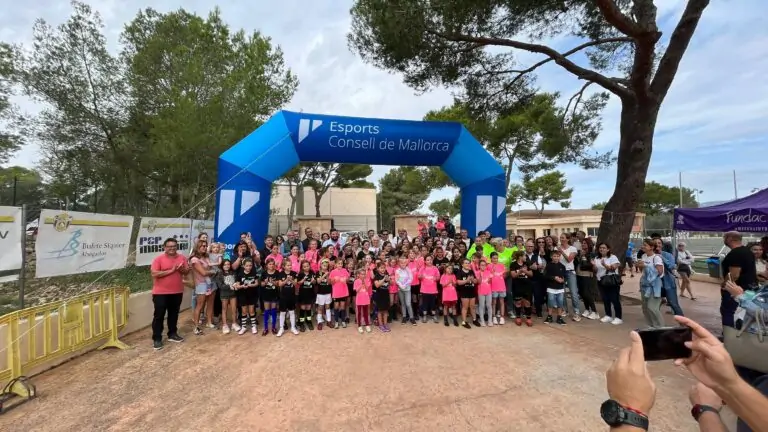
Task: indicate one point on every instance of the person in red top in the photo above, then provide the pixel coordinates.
(167, 291)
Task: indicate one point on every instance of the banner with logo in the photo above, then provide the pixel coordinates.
(154, 231)
(202, 226)
(11, 237)
(77, 242)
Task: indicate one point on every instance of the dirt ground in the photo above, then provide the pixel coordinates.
(427, 377)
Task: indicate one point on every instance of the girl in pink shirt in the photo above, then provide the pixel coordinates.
(276, 256)
(429, 276)
(484, 295)
(312, 255)
(340, 293)
(498, 287)
(393, 297)
(415, 264)
(295, 259)
(363, 302)
(448, 282)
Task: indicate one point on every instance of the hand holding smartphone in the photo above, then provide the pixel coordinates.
(666, 343)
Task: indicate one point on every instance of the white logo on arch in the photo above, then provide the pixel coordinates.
(306, 126)
(226, 213)
(484, 213)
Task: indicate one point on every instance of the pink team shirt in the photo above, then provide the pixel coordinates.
(311, 256)
(277, 258)
(415, 270)
(339, 288)
(429, 277)
(392, 286)
(295, 263)
(497, 280)
(363, 297)
(484, 287)
(173, 283)
(448, 281)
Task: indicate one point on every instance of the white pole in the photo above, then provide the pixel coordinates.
(680, 186)
(735, 190)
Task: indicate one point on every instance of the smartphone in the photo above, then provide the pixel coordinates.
(666, 343)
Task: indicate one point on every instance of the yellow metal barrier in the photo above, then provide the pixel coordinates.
(38, 335)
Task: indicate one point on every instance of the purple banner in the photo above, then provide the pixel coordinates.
(720, 220)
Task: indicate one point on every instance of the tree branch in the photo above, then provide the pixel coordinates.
(557, 57)
(617, 18)
(577, 98)
(678, 44)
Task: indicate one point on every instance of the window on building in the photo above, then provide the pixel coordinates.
(592, 231)
(547, 232)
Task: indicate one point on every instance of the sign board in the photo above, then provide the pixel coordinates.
(77, 242)
(154, 231)
(11, 240)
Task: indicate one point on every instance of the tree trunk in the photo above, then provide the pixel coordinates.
(318, 197)
(638, 122)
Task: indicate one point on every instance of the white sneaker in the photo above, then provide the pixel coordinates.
(360, 329)
(280, 332)
(594, 316)
(501, 320)
(585, 314)
(225, 329)
(606, 319)
(482, 324)
(241, 331)
(236, 327)
(254, 330)
(294, 330)
(576, 318)
(617, 321)
(367, 329)
(496, 320)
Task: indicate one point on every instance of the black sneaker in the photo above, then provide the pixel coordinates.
(455, 321)
(413, 321)
(561, 321)
(175, 338)
(310, 325)
(445, 320)
(157, 345)
(301, 327)
(466, 325)
(548, 320)
(404, 321)
(476, 323)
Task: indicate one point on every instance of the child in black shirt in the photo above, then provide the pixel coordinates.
(288, 291)
(247, 292)
(307, 295)
(554, 275)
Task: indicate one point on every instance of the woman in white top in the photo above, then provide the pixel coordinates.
(605, 264)
(684, 264)
(568, 254)
(761, 265)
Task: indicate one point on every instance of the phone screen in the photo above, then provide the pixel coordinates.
(666, 343)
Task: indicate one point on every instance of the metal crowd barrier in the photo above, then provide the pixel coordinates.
(34, 337)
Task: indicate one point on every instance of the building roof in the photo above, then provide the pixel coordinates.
(556, 213)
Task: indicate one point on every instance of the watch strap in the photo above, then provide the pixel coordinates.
(634, 418)
(700, 409)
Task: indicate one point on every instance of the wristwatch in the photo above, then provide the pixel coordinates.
(614, 414)
(699, 409)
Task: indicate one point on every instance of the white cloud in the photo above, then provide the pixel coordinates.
(713, 113)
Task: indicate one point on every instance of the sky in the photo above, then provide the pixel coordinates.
(711, 123)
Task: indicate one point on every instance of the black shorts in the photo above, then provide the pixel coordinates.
(307, 296)
(684, 269)
(340, 299)
(523, 290)
(287, 304)
(269, 295)
(468, 291)
(415, 290)
(381, 299)
(247, 296)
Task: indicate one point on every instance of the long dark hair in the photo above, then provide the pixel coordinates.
(597, 250)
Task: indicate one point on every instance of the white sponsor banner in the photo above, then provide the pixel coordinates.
(154, 231)
(77, 242)
(11, 234)
(201, 226)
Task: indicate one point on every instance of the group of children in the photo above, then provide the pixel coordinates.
(326, 288)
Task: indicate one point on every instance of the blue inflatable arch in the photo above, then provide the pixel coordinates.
(247, 169)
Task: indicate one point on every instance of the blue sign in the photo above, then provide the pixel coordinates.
(247, 170)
